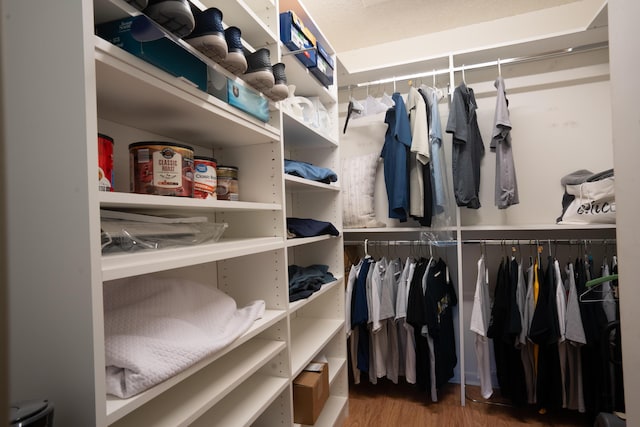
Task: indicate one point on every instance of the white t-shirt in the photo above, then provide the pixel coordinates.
(479, 325)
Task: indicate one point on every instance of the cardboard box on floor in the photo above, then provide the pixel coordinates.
(310, 392)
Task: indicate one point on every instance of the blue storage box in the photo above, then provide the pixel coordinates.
(294, 36)
(323, 68)
(248, 100)
(143, 38)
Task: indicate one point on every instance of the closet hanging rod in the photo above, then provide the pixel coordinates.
(503, 61)
(400, 242)
(537, 241)
(480, 241)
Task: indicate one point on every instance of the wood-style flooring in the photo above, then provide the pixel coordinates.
(388, 405)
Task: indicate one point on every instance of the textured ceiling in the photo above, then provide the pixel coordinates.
(354, 24)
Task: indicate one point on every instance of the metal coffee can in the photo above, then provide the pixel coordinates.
(204, 178)
(227, 183)
(105, 162)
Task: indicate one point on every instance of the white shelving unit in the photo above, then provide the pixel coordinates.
(100, 88)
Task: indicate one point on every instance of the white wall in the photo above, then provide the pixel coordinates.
(625, 90)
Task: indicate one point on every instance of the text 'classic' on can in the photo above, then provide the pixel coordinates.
(161, 168)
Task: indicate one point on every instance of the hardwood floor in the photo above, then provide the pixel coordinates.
(388, 405)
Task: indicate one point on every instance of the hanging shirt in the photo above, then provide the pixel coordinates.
(574, 333)
(506, 187)
(437, 160)
(395, 153)
(527, 351)
(479, 325)
(419, 156)
(468, 148)
(561, 306)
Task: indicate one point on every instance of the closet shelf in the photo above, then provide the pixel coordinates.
(296, 305)
(305, 83)
(299, 241)
(295, 183)
(298, 134)
(263, 349)
(117, 200)
(246, 403)
(336, 364)
(308, 338)
(334, 410)
(121, 265)
(135, 93)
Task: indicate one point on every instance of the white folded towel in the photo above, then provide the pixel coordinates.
(156, 328)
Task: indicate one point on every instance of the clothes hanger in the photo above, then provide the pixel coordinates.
(594, 286)
(499, 69)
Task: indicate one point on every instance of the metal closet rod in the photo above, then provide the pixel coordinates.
(497, 63)
(479, 241)
(400, 242)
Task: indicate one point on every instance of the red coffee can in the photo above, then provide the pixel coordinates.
(105, 163)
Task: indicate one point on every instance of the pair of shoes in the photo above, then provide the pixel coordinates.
(280, 90)
(235, 62)
(268, 79)
(223, 46)
(208, 35)
(174, 15)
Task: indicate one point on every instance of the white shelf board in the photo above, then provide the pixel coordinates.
(246, 403)
(324, 289)
(298, 241)
(238, 13)
(333, 411)
(297, 184)
(118, 408)
(308, 338)
(147, 201)
(298, 134)
(306, 83)
(336, 364)
(120, 265)
(135, 93)
(189, 399)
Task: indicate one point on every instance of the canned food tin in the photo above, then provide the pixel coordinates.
(105, 163)
(161, 168)
(204, 178)
(227, 183)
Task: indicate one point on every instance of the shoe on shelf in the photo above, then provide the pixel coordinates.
(208, 35)
(138, 4)
(235, 62)
(174, 15)
(280, 90)
(259, 72)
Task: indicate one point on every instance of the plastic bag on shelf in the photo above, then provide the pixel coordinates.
(124, 231)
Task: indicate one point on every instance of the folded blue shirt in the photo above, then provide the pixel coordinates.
(307, 227)
(309, 171)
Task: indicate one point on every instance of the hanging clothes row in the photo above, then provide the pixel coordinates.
(414, 160)
(548, 329)
(400, 321)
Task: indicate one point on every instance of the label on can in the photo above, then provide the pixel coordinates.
(204, 179)
(167, 168)
(105, 163)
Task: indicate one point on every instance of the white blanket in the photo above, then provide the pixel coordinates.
(156, 328)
